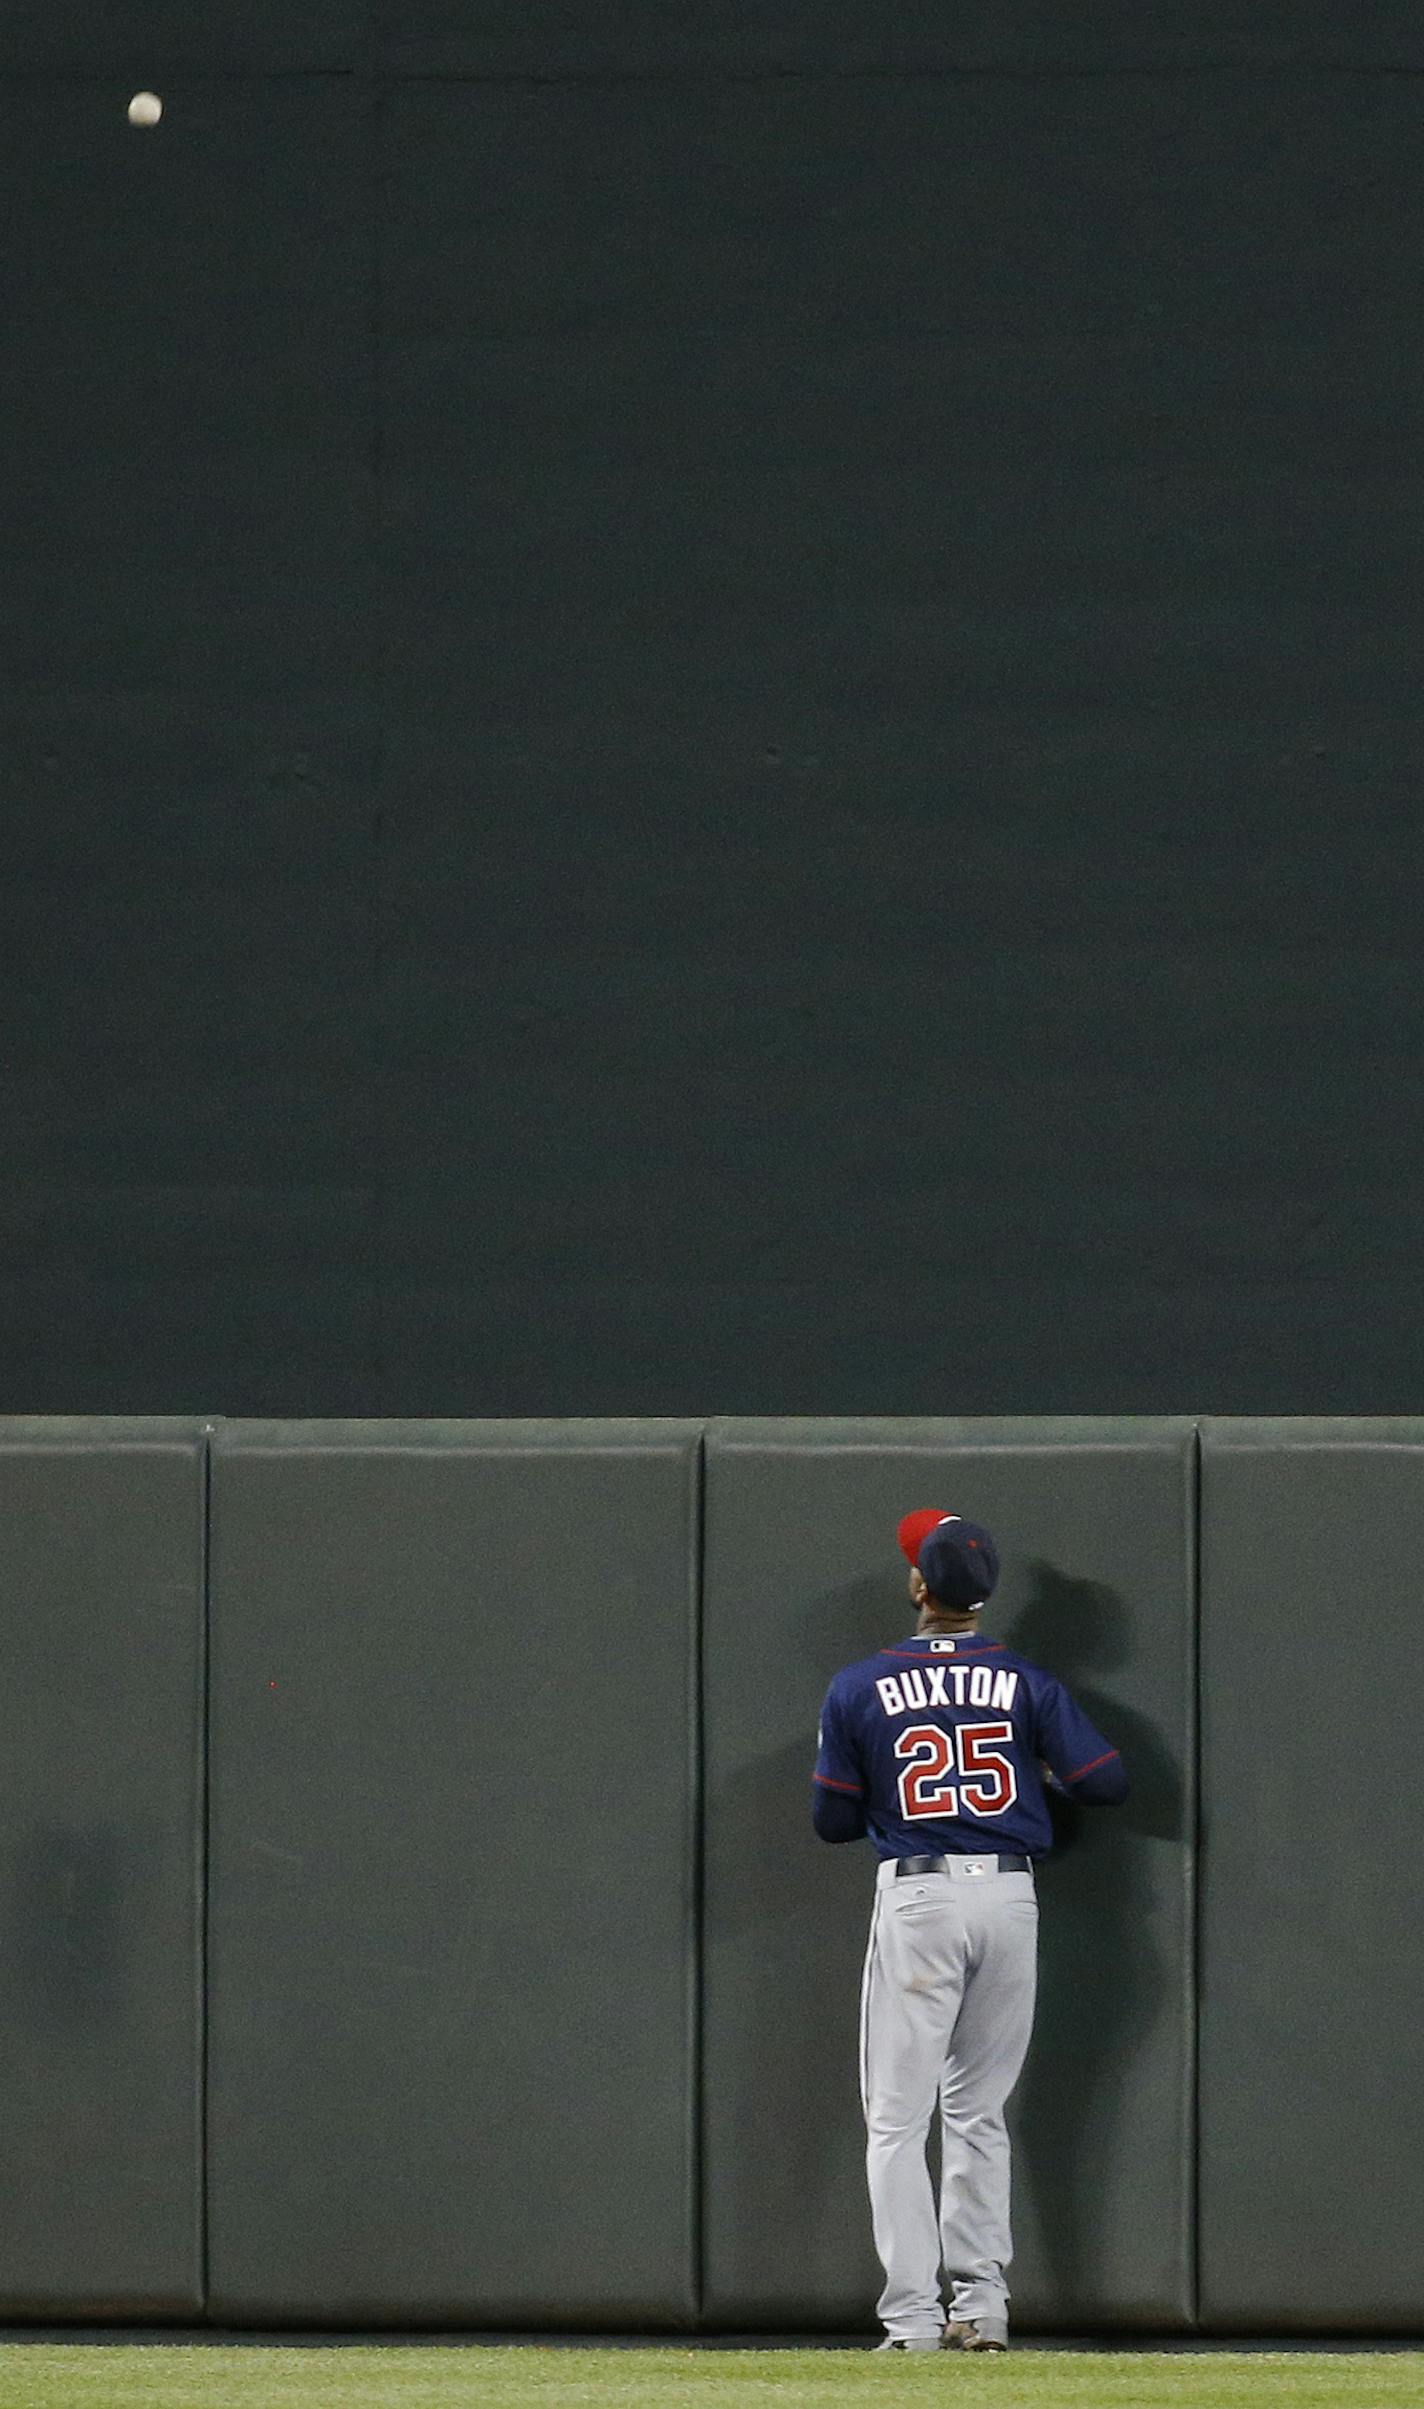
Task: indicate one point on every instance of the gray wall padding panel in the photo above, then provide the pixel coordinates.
(1312, 2063)
(803, 1574)
(452, 1839)
(101, 1621)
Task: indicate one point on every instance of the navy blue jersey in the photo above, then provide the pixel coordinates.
(940, 1741)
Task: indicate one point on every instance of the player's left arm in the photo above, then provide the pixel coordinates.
(837, 1785)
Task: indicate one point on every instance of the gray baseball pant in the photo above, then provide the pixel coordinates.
(946, 2014)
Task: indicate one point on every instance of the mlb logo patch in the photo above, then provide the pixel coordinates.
(976, 1865)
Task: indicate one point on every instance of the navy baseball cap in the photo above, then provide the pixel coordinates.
(959, 1562)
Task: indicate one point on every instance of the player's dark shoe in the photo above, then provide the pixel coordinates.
(914, 2342)
(960, 2334)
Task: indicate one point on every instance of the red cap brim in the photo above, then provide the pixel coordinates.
(915, 1529)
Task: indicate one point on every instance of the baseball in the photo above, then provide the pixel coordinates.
(145, 109)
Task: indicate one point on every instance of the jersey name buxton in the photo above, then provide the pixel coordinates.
(947, 1685)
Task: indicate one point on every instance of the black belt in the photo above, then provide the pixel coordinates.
(940, 1865)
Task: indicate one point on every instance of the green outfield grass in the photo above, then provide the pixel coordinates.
(76, 2375)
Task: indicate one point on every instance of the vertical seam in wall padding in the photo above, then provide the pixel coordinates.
(376, 666)
(697, 1882)
(1194, 1933)
(201, 1820)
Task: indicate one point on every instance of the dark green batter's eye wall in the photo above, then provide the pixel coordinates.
(711, 707)
(411, 1915)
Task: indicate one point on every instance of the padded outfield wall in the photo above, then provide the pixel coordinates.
(413, 1917)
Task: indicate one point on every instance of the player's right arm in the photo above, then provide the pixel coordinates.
(837, 1785)
(1085, 1765)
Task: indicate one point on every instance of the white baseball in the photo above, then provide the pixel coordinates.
(145, 109)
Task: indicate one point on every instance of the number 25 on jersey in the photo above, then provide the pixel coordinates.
(987, 1781)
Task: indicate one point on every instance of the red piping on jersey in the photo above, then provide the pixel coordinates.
(912, 1656)
(1082, 1769)
(852, 1789)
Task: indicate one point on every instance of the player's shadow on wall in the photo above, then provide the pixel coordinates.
(1101, 1972)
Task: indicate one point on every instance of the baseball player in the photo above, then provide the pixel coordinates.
(938, 1749)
